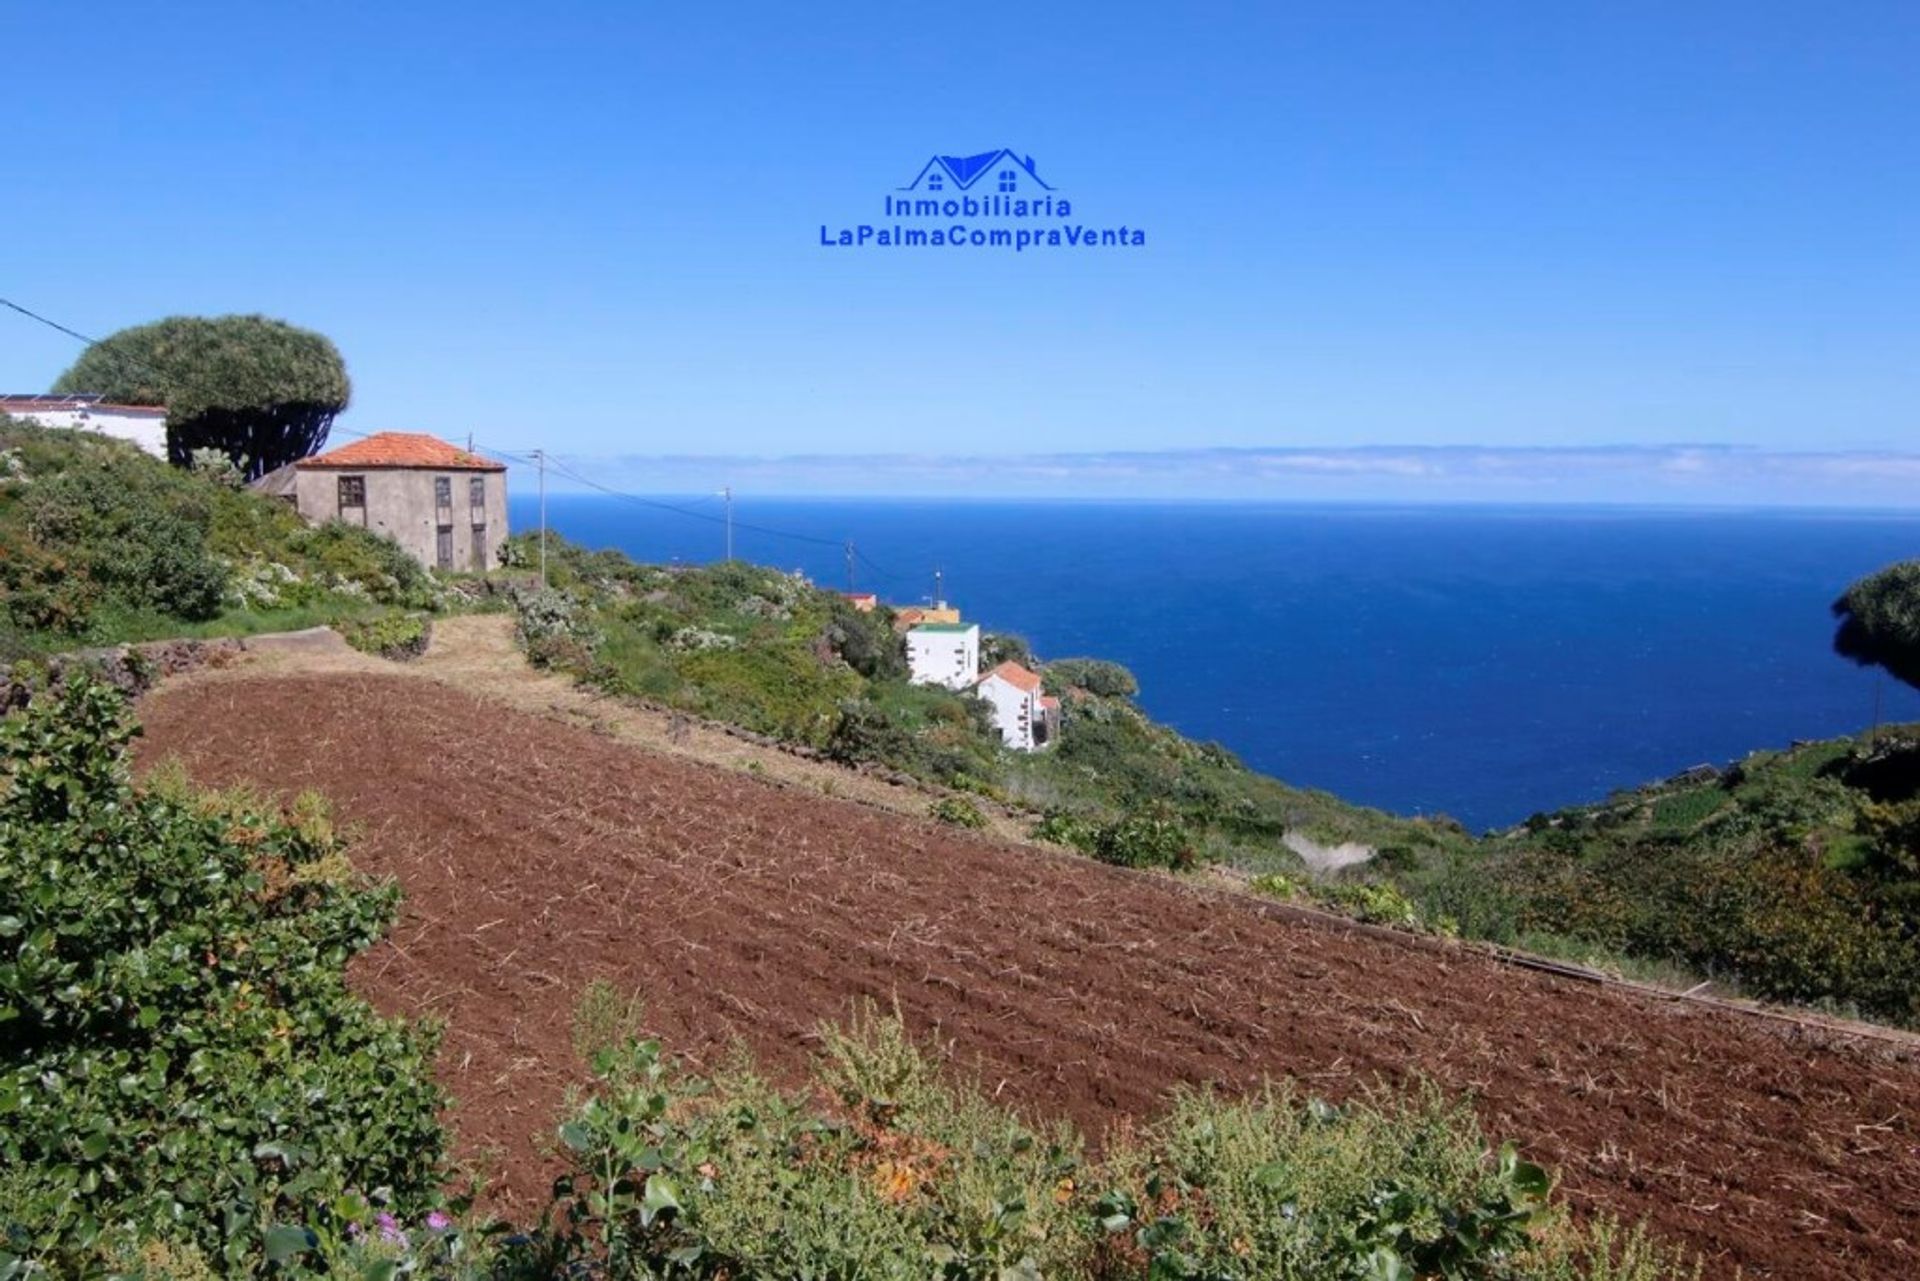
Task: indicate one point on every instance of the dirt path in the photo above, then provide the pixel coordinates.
(537, 856)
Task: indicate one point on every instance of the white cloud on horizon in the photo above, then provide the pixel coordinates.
(1678, 474)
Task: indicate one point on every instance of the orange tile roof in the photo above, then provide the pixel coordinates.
(403, 449)
(1015, 675)
(1049, 702)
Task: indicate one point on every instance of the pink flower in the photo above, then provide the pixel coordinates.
(390, 1229)
(439, 1221)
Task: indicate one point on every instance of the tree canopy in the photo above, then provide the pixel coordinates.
(259, 390)
(1880, 621)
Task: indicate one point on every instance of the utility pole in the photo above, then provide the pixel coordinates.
(540, 455)
(849, 567)
(939, 589)
(726, 492)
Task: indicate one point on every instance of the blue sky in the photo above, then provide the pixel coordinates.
(595, 227)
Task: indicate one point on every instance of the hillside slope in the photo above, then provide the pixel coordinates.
(1791, 875)
(536, 857)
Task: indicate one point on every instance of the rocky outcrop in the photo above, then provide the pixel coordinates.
(132, 669)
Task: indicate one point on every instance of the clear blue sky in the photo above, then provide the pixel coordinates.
(596, 226)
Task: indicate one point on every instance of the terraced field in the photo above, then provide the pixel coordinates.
(537, 856)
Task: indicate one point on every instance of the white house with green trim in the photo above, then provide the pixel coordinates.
(944, 654)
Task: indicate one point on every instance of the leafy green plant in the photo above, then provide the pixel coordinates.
(179, 1052)
(1149, 838)
(394, 636)
(957, 811)
(1375, 902)
(1282, 1187)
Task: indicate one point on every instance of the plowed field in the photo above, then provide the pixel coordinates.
(536, 857)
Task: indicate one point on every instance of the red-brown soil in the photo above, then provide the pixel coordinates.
(536, 857)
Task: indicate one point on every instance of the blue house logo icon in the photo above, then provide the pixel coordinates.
(1011, 174)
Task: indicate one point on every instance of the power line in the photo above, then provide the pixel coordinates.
(51, 324)
(879, 573)
(709, 517)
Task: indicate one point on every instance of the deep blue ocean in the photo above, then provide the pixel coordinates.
(1481, 662)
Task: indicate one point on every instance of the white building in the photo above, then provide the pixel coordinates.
(143, 425)
(944, 654)
(1027, 718)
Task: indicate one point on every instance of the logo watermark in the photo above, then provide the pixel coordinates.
(993, 200)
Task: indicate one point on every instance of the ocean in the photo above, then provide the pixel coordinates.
(1480, 662)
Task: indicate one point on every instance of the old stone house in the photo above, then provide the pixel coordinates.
(446, 506)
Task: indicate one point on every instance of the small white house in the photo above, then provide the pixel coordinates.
(142, 425)
(943, 654)
(1027, 718)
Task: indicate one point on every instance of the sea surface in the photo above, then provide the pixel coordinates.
(1480, 662)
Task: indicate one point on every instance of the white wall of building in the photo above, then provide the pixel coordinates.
(944, 655)
(137, 424)
(1014, 711)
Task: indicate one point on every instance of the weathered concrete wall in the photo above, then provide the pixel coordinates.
(401, 503)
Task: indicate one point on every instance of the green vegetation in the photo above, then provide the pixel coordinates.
(100, 543)
(181, 1062)
(1880, 621)
(260, 392)
(957, 811)
(395, 636)
(1793, 876)
(1375, 902)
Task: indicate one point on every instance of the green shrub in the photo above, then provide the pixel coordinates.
(362, 563)
(1064, 828)
(882, 1167)
(864, 731)
(140, 533)
(394, 636)
(1277, 1186)
(865, 641)
(1375, 902)
(179, 1050)
(1004, 647)
(1094, 675)
(1278, 885)
(957, 811)
(1149, 838)
(44, 591)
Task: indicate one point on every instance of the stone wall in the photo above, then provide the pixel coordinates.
(132, 669)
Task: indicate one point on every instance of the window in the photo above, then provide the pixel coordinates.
(476, 492)
(443, 491)
(1006, 180)
(443, 547)
(353, 498)
(934, 182)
